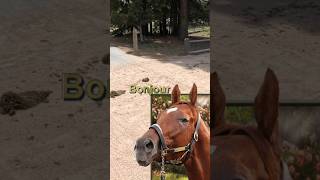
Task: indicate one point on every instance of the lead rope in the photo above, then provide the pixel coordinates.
(162, 172)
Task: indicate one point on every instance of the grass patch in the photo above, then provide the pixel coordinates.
(239, 114)
(153, 46)
(157, 46)
(169, 46)
(171, 176)
(199, 31)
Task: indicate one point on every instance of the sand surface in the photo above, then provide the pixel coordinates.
(130, 113)
(250, 36)
(57, 140)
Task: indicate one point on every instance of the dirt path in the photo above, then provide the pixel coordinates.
(57, 140)
(130, 113)
(251, 36)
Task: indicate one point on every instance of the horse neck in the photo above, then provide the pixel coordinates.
(198, 165)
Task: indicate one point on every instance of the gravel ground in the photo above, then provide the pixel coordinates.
(250, 36)
(57, 140)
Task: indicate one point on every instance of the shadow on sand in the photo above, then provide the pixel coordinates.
(166, 50)
(303, 15)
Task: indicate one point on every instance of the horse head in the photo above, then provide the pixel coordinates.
(176, 125)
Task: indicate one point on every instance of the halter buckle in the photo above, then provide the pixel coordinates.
(164, 152)
(179, 149)
(196, 137)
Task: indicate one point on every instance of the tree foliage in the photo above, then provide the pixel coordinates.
(164, 17)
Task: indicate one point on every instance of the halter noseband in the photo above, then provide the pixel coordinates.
(165, 150)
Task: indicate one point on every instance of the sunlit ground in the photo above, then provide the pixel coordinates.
(171, 176)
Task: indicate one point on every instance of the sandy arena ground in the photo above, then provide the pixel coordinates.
(250, 36)
(130, 113)
(57, 140)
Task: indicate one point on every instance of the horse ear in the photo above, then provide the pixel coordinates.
(217, 100)
(193, 94)
(175, 94)
(266, 108)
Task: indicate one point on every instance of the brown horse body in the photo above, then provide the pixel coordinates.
(252, 156)
(178, 124)
(247, 152)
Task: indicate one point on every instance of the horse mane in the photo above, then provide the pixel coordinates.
(269, 156)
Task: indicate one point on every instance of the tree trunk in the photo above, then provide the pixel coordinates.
(160, 28)
(150, 27)
(183, 19)
(145, 29)
(164, 25)
(141, 33)
(174, 18)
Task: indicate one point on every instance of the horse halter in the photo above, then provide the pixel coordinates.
(164, 150)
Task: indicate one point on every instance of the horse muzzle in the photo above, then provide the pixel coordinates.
(146, 149)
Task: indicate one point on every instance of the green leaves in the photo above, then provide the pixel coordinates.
(128, 13)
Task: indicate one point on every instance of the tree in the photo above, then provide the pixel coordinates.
(164, 17)
(183, 19)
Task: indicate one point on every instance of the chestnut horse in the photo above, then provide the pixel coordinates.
(247, 152)
(178, 136)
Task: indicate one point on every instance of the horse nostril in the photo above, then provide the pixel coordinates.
(148, 145)
(135, 147)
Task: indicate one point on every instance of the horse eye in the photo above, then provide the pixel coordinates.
(184, 120)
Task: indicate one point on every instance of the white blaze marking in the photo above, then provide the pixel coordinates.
(172, 110)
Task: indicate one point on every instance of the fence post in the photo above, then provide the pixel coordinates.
(186, 45)
(135, 39)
